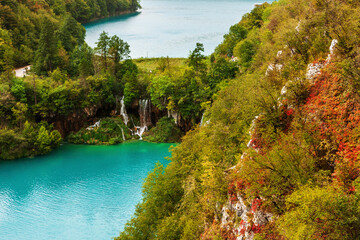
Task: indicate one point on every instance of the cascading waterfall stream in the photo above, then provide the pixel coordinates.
(202, 120)
(123, 112)
(123, 136)
(145, 117)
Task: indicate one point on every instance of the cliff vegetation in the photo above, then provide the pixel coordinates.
(277, 155)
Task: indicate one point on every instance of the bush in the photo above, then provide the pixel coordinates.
(28, 142)
(165, 131)
(318, 213)
(109, 132)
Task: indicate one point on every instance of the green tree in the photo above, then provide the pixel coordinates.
(7, 53)
(315, 213)
(45, 141)
(220, 70)
(29, 133)
(71, 33)
(165, 131)
(12, 145)
(19, 111)
(160, 89)
(81, 61)
(131, 89)
(118, 50)
(236, 33)
(18, 89)
(102, 47)
(245, 50)
(196, 58)
(46, 57)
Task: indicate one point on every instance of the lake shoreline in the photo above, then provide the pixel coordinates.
(117, 14)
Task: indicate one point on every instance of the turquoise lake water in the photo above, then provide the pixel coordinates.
(90, 192)
(173, 27)
(76, 192)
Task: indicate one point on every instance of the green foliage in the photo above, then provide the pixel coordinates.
(118, 50)
(196, 58)
(303, 161)
(28, 142)
(236, 33)
(12, 145)
(87, 10)
(18, 89)
(19, 111)
(46, 58)
(165, 131)
(46, 140)
(285, 167)
(102, 47)
(220, 70)
(245, 51)
(131, 88)
(161, 192)
(160, 89)
(110, 132)
(71, 33)
(43, 141)
(7, 51)
(81, 61)
(315, 213)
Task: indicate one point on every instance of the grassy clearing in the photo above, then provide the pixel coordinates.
(155, 64)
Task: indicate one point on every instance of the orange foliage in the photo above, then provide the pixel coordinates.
(334, 111)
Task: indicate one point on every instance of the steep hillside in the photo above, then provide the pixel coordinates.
(277, 155)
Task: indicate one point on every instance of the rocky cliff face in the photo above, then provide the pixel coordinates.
(242, 218)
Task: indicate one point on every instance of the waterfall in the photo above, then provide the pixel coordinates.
(145, 117)
(123, 111)
(202, 119)
(122, 132)
(97, 124)
(174, 115)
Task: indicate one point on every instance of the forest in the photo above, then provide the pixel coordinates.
(71, 86)
(277, 155)
(269, 123)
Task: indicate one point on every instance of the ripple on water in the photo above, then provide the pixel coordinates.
(76, 192)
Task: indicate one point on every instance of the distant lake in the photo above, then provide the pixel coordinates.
(75, 192)
(173, 27)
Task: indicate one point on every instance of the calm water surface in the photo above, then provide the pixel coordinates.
(76, 192)
(173, 27)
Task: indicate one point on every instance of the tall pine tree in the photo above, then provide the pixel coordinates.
(47, 53)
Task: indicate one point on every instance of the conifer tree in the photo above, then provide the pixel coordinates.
(47, 52)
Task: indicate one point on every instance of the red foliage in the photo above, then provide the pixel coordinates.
(232, 192)
(289, 112)
(241, 185)
(256, 204)
(231, 188)
(256, 228)
(352, 189)
(283, 122)
(335, 116)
